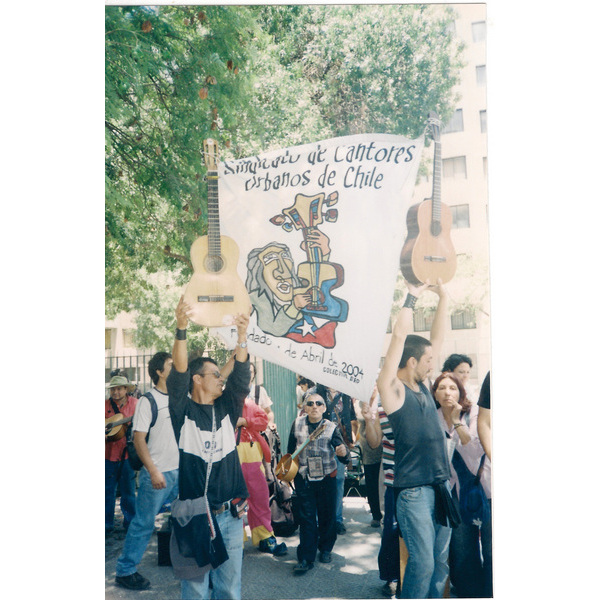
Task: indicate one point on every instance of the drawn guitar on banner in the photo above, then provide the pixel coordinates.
(299, 305)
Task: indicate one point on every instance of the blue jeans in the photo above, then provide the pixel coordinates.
(226, 579)
(124, 475)
(340, 479)
(149, 501)
(426, 541)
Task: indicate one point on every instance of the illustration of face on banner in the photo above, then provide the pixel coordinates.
(320, 228)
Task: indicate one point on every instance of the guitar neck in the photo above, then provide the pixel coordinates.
(214, 230)
(315, 434)
(436, 198)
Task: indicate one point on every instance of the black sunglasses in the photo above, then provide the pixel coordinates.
(317, 402)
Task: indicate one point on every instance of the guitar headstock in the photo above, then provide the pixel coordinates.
(211, 154)
(433, 124)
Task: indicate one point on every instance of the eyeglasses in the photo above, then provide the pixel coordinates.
(216, 374)
(311, 403)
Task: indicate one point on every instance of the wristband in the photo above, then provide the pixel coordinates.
(410, 301)
(457, 425)
(180, 334)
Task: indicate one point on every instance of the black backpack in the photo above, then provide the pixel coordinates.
(134, 459)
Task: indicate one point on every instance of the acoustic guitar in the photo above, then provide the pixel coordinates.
(215, 291)
(115, 427)
(287, 467)
(428, 252)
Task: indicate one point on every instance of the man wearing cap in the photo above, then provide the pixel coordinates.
(116, 466)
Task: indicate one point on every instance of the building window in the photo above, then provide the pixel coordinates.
(480, 75)
(460, 216)
(455, 123)
(107, 339)
(423, 319)
(483, 120)
(455, 168)
(479, 31)
(128, 338)
(463, 319)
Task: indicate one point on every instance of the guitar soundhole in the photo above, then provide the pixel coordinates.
(214, 264)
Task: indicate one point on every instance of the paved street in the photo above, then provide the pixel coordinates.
(352, 573)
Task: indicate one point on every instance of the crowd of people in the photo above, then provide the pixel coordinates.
(423, 439)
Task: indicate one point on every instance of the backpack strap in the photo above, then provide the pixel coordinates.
(153, 409)
(256, 392)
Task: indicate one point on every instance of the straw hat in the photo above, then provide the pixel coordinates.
(119, 380)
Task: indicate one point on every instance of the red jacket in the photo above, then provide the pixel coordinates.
(257, 420)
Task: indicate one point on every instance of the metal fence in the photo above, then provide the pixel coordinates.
(279, 382)
(135, 368)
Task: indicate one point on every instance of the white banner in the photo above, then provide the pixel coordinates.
(320, 228)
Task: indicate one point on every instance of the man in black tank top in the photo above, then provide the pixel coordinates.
(424, 508)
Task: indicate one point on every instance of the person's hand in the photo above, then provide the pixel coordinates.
(181, 313)
(302, 300)
(158, 480)
(367, 413)
(416, 290)
(317, 239)
(455, 414)
(340, 450)
(439, 288)
(241, 322)
(241, 422)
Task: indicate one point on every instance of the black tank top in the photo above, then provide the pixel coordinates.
(421, 457)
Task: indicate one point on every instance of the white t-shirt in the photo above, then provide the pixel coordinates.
(161, 443)
(264, 400)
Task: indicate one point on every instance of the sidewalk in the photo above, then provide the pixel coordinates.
(353, 572)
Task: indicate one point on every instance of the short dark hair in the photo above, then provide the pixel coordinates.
(414, 347)
(454, 360)
(197, 365)
(157, 363)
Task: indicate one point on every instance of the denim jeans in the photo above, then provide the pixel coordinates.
(124, 475)
(486, 552)
(340, 480)
(148, 502)
(426, 541)
(226, 579)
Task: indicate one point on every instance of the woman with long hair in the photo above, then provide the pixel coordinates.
(458, 418)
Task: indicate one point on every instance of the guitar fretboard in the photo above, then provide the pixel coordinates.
(436, 203)
(214, 232)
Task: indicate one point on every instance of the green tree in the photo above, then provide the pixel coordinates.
(254, 78)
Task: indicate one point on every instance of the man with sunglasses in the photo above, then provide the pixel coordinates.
(204, 414)
(339, 408)
(315, 482)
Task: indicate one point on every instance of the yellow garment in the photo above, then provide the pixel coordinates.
(250, 453)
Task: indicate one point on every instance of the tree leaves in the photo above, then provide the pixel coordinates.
(256, 78)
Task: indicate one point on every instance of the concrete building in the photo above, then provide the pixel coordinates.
(464, 188)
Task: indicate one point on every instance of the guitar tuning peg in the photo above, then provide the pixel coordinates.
(278, 220)
(331, 215)
(332, 199)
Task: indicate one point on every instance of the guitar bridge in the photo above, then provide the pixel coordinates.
(435, 258)
(215, 298)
